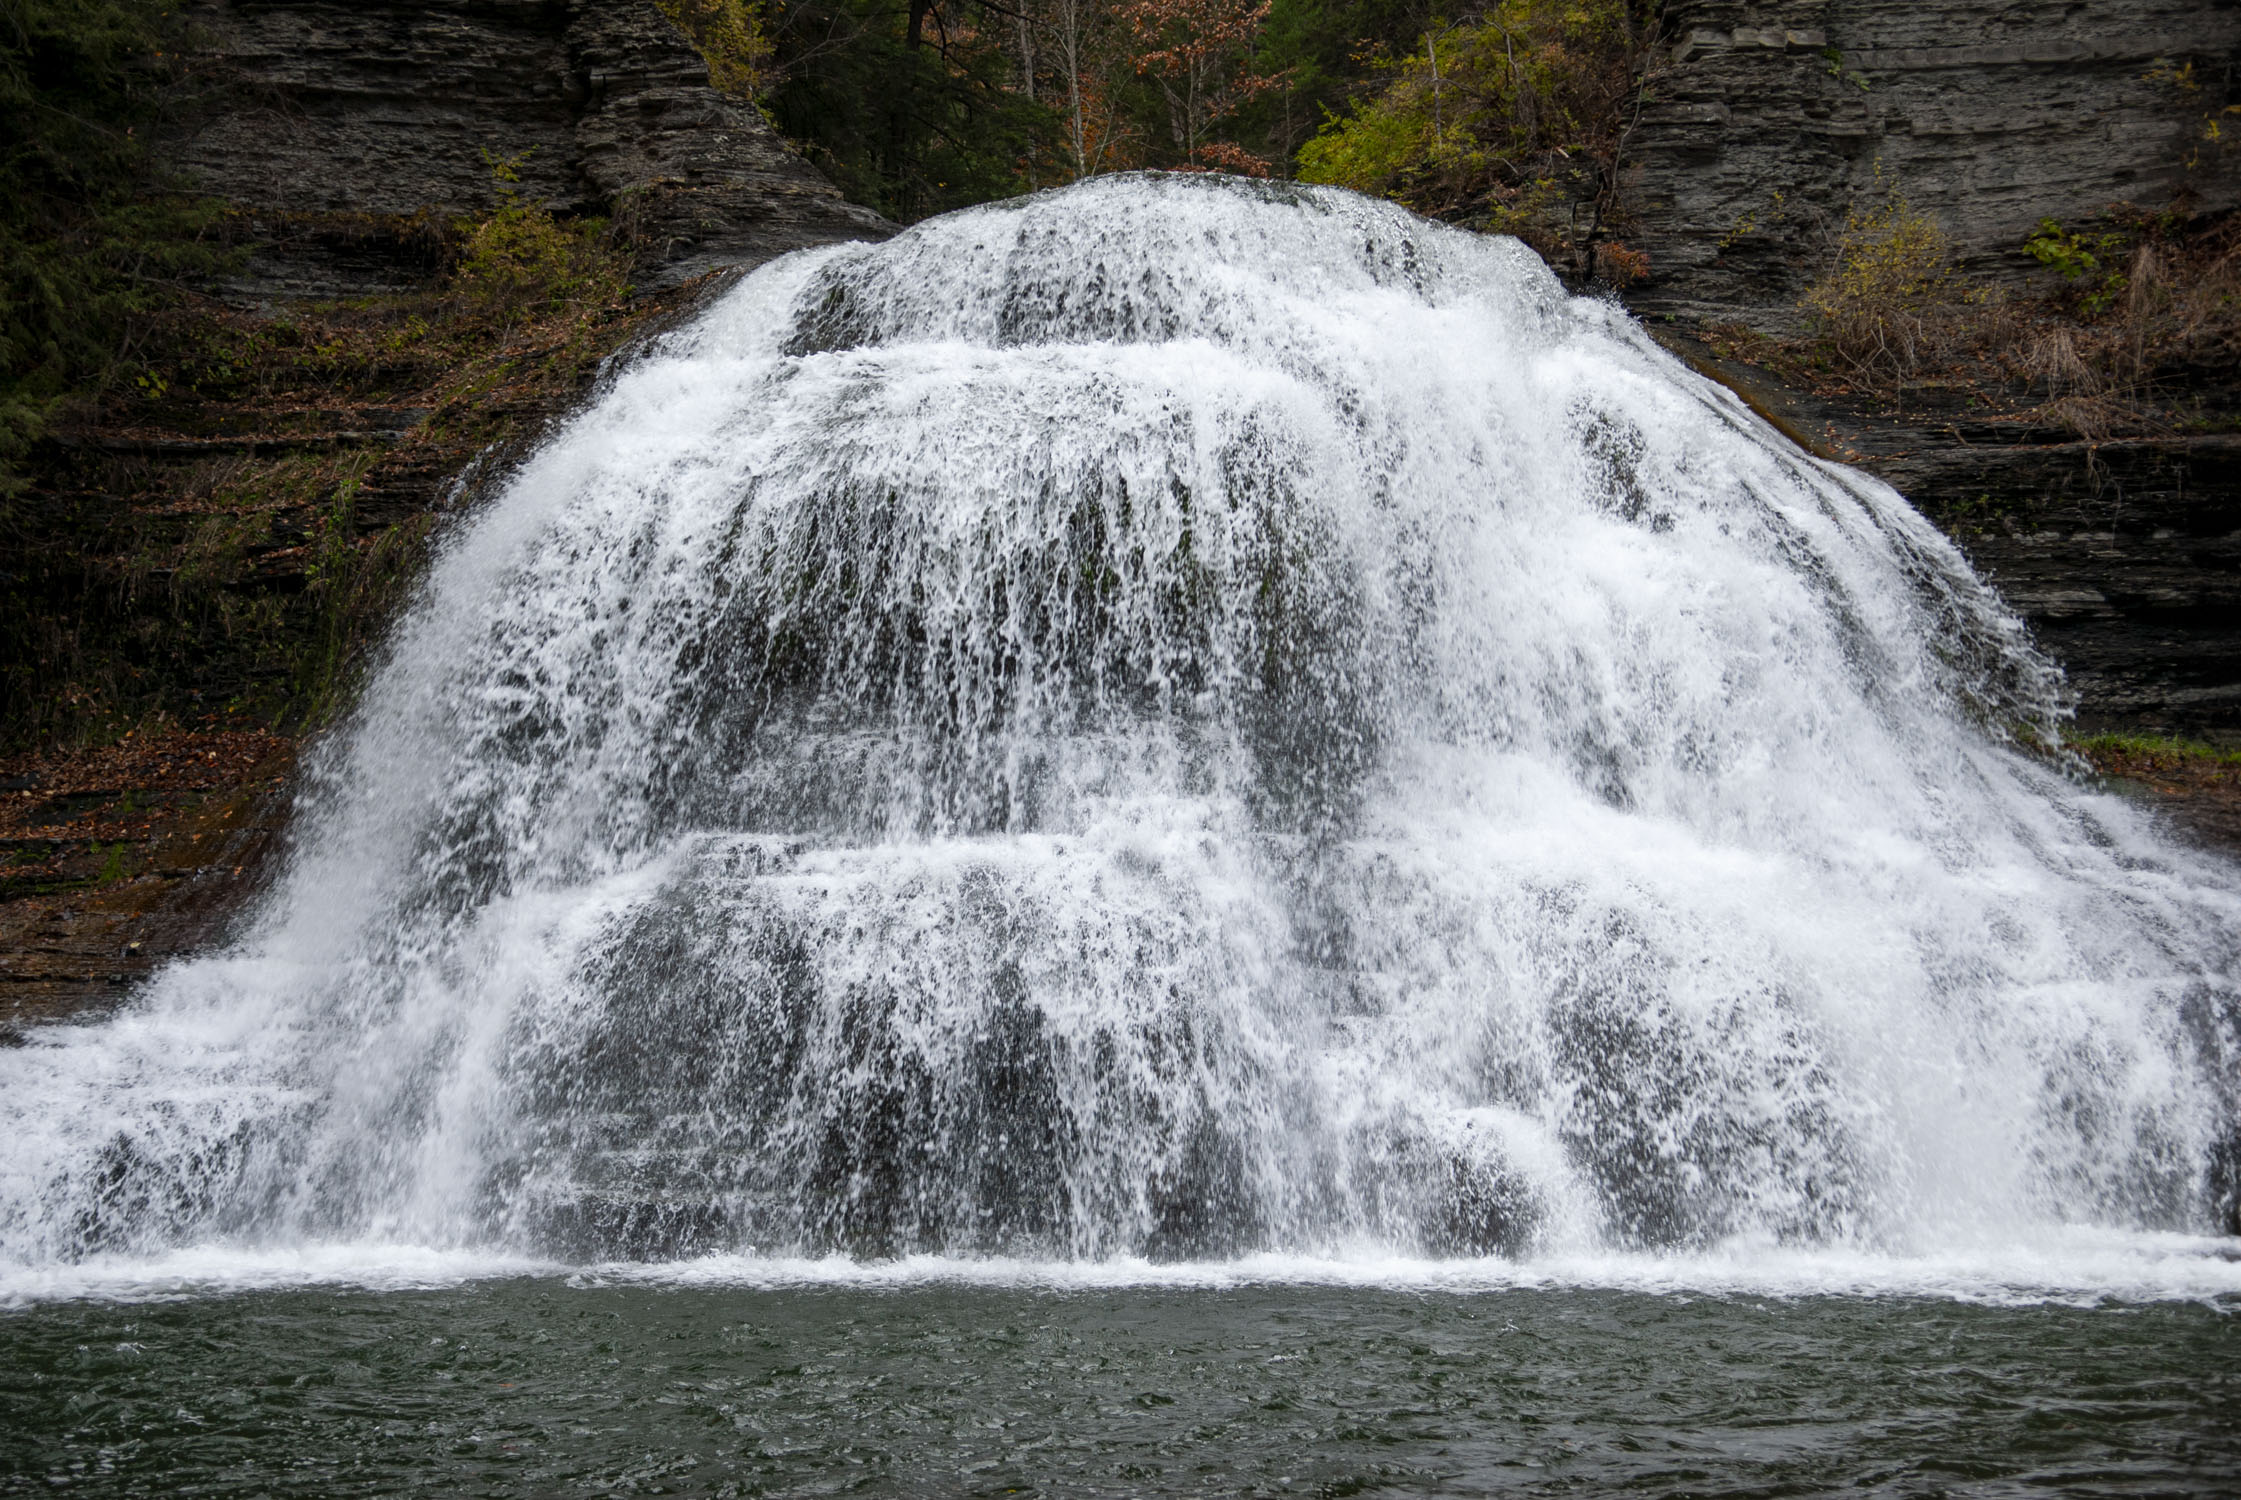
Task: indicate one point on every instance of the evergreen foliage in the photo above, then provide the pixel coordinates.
(89, 243)
(913, 108)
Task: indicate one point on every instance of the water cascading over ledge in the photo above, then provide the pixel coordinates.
(1174, 718)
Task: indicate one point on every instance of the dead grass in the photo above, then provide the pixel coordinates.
(1885, 307)
(2168, 318)
(2135, 330)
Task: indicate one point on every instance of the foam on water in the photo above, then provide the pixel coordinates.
(2079, 1267)
(1180, 723)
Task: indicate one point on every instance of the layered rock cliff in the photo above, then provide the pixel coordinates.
(2124, 555)
(345, 127)
(1764, 124)
(1767, 120)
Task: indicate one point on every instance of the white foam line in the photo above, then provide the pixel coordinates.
(2179, 1268)
(2078, 1267)
(216, 1270)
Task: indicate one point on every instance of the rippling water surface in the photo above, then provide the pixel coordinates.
(707, 1384)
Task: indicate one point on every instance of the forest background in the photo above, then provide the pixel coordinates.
(1491, 114)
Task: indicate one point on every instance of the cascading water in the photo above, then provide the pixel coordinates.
(1174, 718)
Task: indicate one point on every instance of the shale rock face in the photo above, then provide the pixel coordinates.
(1769, 118)
(2126, 561)
(2123, 556)
(345, 121)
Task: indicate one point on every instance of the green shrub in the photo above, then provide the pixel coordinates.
(1371, 150)
(2096, 260)
(1507, 120)
(522, 261)
(730, 34)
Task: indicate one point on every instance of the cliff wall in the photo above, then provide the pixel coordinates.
(345, 124)
(1766, 120)
(2123, 555)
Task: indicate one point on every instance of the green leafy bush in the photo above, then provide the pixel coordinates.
(2096, 260)
(522, 260)
(731, 35)
(1511, 119)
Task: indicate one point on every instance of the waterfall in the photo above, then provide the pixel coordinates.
(1174, 718)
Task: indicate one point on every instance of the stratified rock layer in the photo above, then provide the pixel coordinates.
(1767, 121)
(1765, 124)
(344, 122)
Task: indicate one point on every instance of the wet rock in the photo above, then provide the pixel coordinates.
(2124, 556)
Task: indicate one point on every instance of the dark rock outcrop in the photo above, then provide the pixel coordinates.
(1765, 122)
(344, 130)
(2123, 556)
(1768, 119)
(120, 859)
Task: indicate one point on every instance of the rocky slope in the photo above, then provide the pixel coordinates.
(217, 562)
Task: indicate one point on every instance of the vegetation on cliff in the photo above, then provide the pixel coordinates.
(213, 541)
(91, 241)
(1510, 120)
(2135, 328)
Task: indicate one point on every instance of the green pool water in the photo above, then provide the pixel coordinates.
(552, 1386)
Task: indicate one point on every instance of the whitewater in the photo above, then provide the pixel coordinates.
(1178, 731)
